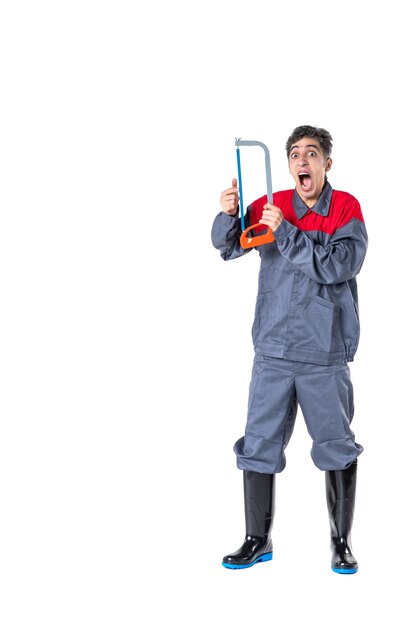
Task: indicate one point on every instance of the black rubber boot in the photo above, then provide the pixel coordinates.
(340, 492)
(259, 515)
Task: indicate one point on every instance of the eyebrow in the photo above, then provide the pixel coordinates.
(310, 145)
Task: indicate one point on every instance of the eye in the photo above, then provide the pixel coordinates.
(312, 153)
(294, 155)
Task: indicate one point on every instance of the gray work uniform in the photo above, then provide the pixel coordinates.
(306, 328)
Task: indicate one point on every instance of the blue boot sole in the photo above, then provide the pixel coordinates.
(339, 570)
(260, 559)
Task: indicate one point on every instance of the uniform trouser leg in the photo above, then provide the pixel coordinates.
(272, 410)
(325, 395)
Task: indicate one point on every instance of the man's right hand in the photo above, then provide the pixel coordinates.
(229, 200)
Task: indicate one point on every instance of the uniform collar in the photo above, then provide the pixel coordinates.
(321, 207)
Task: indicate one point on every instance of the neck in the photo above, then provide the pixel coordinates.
(310, 202)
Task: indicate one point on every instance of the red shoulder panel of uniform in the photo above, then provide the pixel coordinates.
(343, 208)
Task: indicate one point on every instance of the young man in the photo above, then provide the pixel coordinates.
(306, 330)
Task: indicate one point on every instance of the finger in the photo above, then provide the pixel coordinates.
(234, 182)
(233, 191)
(271, 207)
(230, 204)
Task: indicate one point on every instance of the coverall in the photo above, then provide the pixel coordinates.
(306, 327)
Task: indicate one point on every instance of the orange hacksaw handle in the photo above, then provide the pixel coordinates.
(250, 242)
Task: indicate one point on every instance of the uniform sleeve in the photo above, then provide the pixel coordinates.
(338, 261)
(225, 236)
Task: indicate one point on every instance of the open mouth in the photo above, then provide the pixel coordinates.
(305, 181)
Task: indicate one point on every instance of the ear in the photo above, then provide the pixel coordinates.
(328, 165)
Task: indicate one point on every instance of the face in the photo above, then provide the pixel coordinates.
(308, 167)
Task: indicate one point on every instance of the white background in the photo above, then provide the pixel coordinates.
(125, 339)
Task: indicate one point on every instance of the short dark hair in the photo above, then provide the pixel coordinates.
(323, 137)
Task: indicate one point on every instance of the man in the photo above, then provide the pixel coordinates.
(306, 330)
